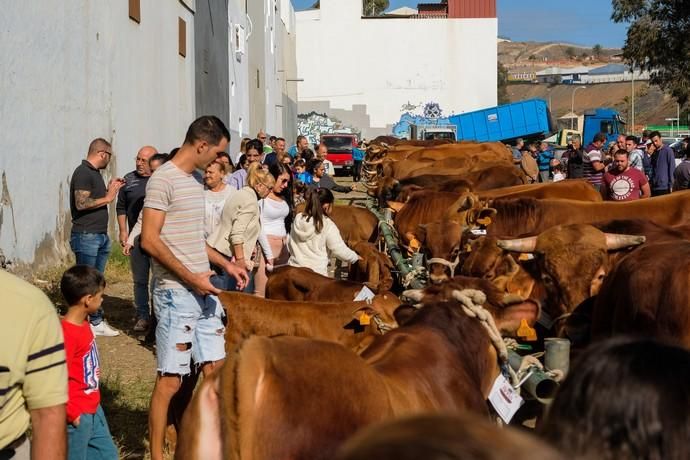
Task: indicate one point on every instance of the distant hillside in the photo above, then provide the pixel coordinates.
(512, 54)
(651, 105)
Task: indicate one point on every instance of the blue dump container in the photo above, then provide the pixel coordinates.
(528, 119)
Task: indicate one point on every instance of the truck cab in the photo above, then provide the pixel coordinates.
(340, 150)
(432, 132)
(607, 121)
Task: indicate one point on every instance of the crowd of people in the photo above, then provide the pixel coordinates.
(628, 169)
(190, 235)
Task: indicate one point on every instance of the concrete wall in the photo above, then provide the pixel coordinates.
(71, 72)
(392, 66)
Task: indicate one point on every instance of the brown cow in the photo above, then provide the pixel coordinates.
(527, 216)
(251, 315)
(647, 294)
(444, 437)
(289, 397)
(298, 283)
(570, 263)
(354, 223)
(571, 189)
(374, 268)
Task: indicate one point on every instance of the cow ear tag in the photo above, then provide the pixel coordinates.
(526, 332)
(414, 245)
(525, 256)
(365, 319)
(485, 221)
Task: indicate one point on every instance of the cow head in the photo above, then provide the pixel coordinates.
(572, 261)
(374, 269)
(470, 211)
(385, 190)
(482, 258)
(508, 311)
(441, 243)
(377, 316)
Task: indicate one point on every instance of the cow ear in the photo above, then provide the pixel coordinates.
(485, 216)
(396, 205)
(421, 233)
(465, 202)
(508, 320)
(405, 313)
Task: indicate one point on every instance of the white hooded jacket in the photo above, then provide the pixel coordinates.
(311, 250)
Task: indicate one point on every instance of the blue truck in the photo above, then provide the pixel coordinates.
(529, 119)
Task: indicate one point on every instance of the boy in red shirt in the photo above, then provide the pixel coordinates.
(88, 434)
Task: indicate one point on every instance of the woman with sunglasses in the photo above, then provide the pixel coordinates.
(276, 218)
(240, 226)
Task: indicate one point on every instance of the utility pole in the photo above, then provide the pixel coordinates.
(632, 99)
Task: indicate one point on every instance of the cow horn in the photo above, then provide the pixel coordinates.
(510, 299)
(619, 241)
(415, 295)
(518, 245)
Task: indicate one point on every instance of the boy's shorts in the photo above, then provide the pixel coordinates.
(189, 326)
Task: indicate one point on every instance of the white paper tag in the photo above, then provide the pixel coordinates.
(504, 398)
(364, 294)
(478, 231)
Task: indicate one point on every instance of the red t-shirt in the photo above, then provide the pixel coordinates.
(624, 186)
(83, 369)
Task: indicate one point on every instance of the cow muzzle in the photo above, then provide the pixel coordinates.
(449, 266)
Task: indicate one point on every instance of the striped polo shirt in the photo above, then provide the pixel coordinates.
(33, 374)
(181, 196)
(592, 175)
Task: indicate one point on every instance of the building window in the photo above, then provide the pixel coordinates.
(135, 11)
(182, 38)
(258, 79)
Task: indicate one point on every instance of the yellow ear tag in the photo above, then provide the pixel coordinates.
(468, 247)
(525, 332)
(414, 245)
(523, 256)
(365, 319)
(485, 221)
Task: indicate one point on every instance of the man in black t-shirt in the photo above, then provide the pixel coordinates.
(130, 201)
(88, 204)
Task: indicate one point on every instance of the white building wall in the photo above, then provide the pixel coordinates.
(385, 64)
(238, 124)
(71, 72)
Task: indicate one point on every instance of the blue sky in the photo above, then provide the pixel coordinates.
(584, 22)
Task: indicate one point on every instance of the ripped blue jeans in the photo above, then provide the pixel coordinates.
(189, 326)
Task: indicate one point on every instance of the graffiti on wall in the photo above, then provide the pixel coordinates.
(429, 113)
(312, 125)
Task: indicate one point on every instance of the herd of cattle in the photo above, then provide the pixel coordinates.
(309, 366)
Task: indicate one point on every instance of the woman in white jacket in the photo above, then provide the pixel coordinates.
(314, 236)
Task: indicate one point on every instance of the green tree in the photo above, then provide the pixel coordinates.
(657, 41)
(374, 7)
(570, 53)
(502, 85)
(596, 51)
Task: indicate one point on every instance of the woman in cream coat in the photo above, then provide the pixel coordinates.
(240, 227)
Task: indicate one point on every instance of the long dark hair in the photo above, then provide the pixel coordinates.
(625, 399)
(313, 207)
(276, 169)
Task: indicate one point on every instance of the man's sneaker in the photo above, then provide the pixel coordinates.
(104, 330)
(142, 325)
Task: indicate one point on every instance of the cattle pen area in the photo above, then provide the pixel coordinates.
(480, 296)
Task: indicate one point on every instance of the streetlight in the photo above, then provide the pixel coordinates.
(572, 104)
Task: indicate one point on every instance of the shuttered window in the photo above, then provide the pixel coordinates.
(135, 11)
(182, 30)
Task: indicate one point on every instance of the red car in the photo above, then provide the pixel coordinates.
(340, 150)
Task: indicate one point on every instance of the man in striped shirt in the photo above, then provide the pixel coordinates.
(184, 300)
(593, 161)
(33, 373)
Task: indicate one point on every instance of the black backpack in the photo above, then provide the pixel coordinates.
(576, 168)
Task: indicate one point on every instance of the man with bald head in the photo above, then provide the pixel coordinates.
(130, 201)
